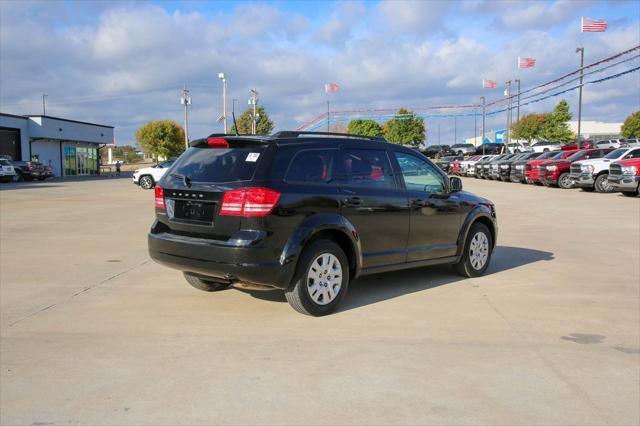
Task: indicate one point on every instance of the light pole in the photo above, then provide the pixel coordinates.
(581, 50)
(518, 113)
(222, 77)
(508, 92)
(254, 101)
(186, 101)
(44, 108)
(483, 117)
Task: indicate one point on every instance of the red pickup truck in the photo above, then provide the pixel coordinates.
(532, 169)
(556, 172)
(624, 176)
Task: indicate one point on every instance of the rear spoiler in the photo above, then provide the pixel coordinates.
(222, 140)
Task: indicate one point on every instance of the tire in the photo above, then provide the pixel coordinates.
(204, 285)
(564, 181)
(602, 184)
(146, 182)
(318, 259)
(588, 189)
(630, 194)
(476, 258)
(545, 150)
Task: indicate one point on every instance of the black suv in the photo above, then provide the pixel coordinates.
(310, 212)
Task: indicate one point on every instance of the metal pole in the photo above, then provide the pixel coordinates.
(254, 101)
(224, 103)
(518, 114)
(483, 121)
(508, 83)
(328, 116)
(455, 129)
(44, 108)
(475, 125)
(581, 50)
(186, 101)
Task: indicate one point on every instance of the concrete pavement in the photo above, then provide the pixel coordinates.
(93, 332)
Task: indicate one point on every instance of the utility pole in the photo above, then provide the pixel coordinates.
(328, 116)
(483, 117)
(475, 125)
(455, 129)
(438, 133)
(222, 77)
(581, 50)
(44, 108)
(254, 102)
(186, 101)
(518, 113)
(508, 83)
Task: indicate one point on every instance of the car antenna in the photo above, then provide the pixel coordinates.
(235, 125)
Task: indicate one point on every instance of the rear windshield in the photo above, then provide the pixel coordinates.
(4, 162)
(218, 165)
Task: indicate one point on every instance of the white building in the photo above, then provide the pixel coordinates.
(596, 130)
(70, 147)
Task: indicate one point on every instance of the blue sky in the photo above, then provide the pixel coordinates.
(123, 63)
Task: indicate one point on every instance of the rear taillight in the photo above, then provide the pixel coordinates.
(159, 191)
(29, 166)
(218, 142)
(249, 202)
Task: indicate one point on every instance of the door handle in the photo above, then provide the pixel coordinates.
(418, 203)
(352, 201)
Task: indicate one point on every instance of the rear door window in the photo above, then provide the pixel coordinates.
(368, 168)
(217, 165)
(313, 166)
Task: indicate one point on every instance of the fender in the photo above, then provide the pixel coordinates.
(318, 223)
(478, 211)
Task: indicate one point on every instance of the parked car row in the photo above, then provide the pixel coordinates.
(598, 169)
(18, 171)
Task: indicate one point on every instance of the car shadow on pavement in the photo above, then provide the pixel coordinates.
(389, 285)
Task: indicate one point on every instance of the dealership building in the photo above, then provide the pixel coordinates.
(70, 147)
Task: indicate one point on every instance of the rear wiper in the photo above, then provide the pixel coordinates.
(186, 179)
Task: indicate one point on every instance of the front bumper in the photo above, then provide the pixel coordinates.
(220, 260)
(549, 179)
(624, 183)
(582, 180)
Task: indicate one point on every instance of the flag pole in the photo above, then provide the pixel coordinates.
(328, 114)
(581, 50)
(483, 129)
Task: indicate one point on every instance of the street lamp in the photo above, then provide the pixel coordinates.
(222, 77)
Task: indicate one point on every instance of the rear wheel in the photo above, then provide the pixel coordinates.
(630, 194)
(564, 181)
(146, 182)
(204, 285)
(321, 279)
(477, 252)
(602, 184)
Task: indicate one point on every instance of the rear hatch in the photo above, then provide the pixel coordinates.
(214, 186)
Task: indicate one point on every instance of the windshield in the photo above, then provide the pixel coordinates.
(558, 155)
(615, 153)
(216, 165)
(576, 156)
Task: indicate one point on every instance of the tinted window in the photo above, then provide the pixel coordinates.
(219, 165)
(367, 167)
(615, 153)
(633, 154)
(313, 166)
(167, 164)
(418, 174)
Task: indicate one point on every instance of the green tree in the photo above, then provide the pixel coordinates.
(364, 128)
(161, 138)
(531, 126)
(405, 128)
(557, 127)
(264, 126)
(631, 126)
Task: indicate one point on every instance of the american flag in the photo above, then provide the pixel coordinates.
(331, 87)
(489, 84)
(593, 25)
(526, 62)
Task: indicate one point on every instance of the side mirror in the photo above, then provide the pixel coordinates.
(455, 184)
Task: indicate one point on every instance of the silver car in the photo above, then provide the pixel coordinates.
(463, 149)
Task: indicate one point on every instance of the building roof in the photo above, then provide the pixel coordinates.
(69, 121)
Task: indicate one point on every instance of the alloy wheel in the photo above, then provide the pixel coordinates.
(565, 181)
(324, 278)
(479, 251)
(146, 182)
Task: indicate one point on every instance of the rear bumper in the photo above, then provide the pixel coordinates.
(624, 183)
(221, 260)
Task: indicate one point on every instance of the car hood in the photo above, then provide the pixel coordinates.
(556, 162)
(145, 170)
(594, 161)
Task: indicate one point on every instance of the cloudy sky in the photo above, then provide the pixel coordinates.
(124, 63)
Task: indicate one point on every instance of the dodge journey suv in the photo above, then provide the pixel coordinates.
(308, 213)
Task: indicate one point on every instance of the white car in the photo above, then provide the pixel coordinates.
(608, 143)
(463, 149)
(593, 174)
(545, 146)
(7, 172)
(518, 147)
(149, 176)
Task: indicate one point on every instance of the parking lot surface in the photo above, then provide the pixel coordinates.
(93, 332)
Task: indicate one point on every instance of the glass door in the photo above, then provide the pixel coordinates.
(82, 158)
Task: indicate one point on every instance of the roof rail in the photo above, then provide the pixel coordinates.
(296, 133)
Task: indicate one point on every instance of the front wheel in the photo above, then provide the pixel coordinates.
(564, 181)
(630, 194)
(204, 285)
(146, 182)
(602, 184)
(477, 252)
(321, 279)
